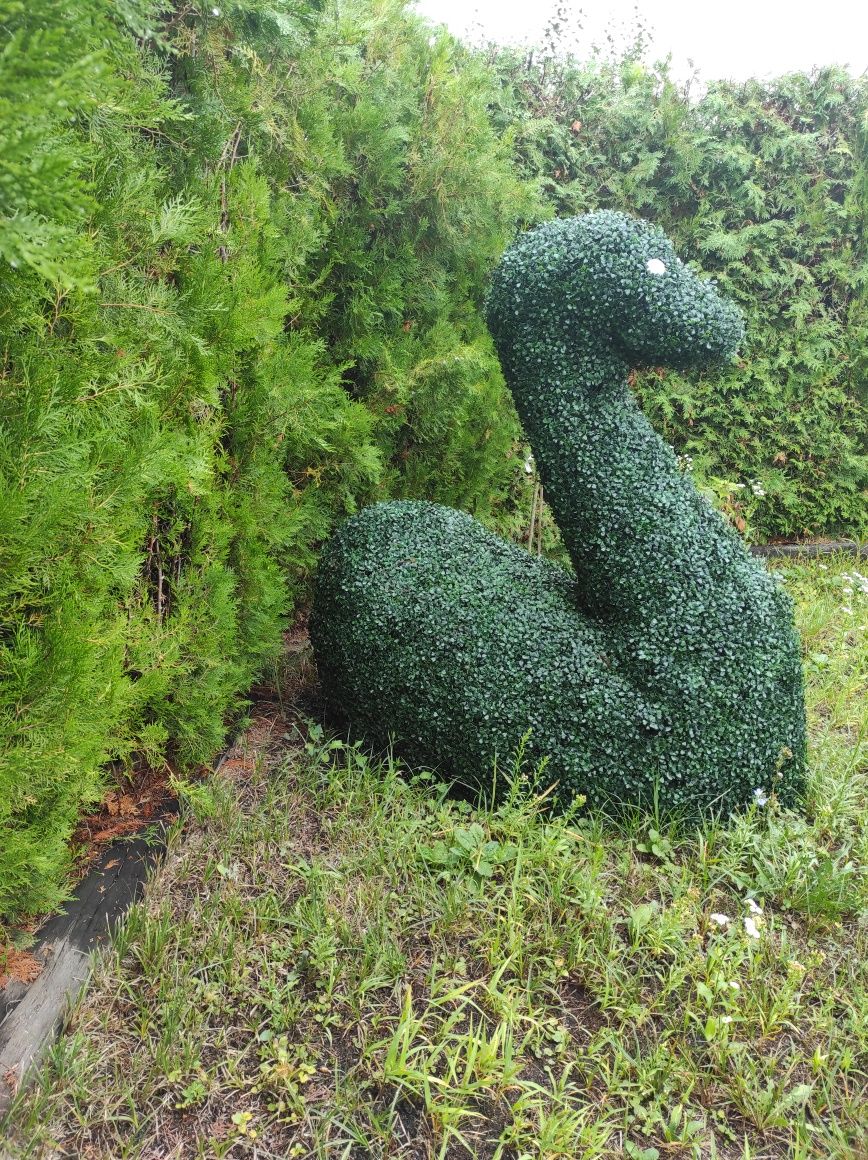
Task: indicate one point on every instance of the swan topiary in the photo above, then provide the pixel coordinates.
(666, 669)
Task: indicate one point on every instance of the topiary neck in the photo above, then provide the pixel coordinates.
(590, 364)
(566, 395)
(609, 479)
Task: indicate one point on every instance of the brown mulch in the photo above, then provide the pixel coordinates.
(144, 796)
(18, 966)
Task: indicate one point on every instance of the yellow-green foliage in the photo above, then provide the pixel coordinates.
(213, 221)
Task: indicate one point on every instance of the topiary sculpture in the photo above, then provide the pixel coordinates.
(667, 669)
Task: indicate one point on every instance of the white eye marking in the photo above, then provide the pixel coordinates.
(655, 266)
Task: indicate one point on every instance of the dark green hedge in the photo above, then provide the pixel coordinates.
(765, 185)
(666, 672)
(243, 259)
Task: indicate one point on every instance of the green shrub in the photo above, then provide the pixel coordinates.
(766, 185)
(667, 670)
(236, 241)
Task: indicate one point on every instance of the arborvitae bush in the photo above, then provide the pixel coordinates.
(666, 670)
(236, 241)
(765, 185)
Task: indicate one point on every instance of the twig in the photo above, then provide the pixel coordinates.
(137, 306)
(532, 518)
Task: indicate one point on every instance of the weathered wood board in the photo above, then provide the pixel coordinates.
(30, 1016)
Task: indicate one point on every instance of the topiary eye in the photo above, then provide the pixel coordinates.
(655, 266)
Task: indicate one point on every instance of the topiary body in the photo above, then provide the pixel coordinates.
(668, 667)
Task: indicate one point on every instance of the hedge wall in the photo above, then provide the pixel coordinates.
(244, 248)
(764, 185)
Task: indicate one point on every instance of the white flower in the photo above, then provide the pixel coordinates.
(733, 985)
(726, 1019)
(528, 464)
(825, 567)
(752, 906)
(760, 797)
(751, 927)
(720, 919)
(216, 11)
(845, 609)
(655, 266)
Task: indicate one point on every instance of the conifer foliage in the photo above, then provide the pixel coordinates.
(765, 185)
(237, 242)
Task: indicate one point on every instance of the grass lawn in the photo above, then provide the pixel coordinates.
(340, 961)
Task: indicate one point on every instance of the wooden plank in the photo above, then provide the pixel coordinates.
(35, 1014)
(26, 1036)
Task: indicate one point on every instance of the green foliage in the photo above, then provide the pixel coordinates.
(52, 72)
(765, 184)
(237, 243)
(665, 672)
(243, 251)
(470, 851)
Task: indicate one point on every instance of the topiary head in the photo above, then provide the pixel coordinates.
(614, 282)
